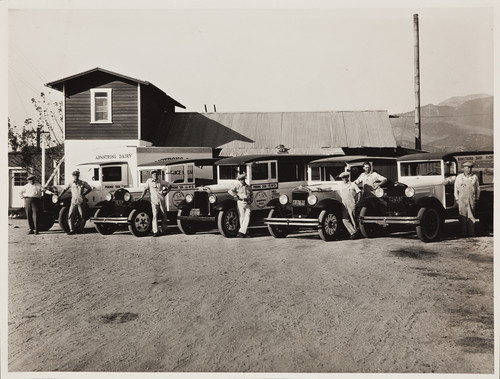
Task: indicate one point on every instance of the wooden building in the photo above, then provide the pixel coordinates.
(105, 112)
(103, 108)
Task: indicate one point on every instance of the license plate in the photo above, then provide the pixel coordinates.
(119, 203)
(396, 199)
(298, 203)
(194, 212)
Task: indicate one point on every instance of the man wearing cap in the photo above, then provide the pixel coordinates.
(370, 179)
(158, 188)
(243, 193)
(32, 195)
(349, 193)
(79, 189)
(466, 195)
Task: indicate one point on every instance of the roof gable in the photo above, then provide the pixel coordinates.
(59, 84)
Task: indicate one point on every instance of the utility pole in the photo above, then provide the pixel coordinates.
(418, 124)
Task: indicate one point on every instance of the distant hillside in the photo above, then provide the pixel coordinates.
(458, 123)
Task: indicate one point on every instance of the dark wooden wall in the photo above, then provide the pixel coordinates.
(124, 108)
(153, 104)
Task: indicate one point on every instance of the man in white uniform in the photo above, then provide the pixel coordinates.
(349, 193)
(467, 195)
(370, 179)
(243, 192)
(79, 189)
(32, 194)
(158, 188)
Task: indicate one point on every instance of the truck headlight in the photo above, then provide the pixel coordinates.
(312, 199)
(55, 199)
(212, 199)
(379, 192)
(109, 196)
(283, 199)
(127, 196)
(410, 191)
(189, 198)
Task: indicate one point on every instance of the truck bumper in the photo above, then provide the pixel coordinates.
(303, 222)
(389, 220)
(110, 220)
(196, 218)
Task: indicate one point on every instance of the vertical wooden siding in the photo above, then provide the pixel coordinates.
(123, 107)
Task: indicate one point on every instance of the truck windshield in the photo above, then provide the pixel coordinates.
(230, 171)
(112, 174)
(427, 168)
(327, 173)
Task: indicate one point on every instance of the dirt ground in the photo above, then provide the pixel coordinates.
(205, 303)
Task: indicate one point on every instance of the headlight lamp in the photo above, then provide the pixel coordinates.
(410, 191)
(127, 196)
(283, 199)
(379, 192)
(312, 199)
(212, 199)
(189, 198)
(55, 199)
(109, 196)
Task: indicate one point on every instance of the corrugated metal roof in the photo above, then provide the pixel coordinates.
(301, 132)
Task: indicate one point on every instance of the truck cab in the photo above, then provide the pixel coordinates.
(317, 205)
(423, 196)
(269, 176)
(123, 207)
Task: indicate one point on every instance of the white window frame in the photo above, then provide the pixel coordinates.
(92, 106)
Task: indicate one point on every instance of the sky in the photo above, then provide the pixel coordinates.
(256, 59)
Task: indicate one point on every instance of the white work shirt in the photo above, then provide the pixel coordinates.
(347, 192)
(155, 187)
(31, 190)
(369, 179)
(77, 189)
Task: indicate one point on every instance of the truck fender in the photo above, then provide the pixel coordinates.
(228, 203)
(430, 202)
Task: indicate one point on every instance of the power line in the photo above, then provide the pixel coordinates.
(460, 115)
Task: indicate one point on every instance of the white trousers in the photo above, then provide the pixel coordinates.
(244, 214)
(155, 207)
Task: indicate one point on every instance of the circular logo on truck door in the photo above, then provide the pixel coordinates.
(177, 198)
(260, 199)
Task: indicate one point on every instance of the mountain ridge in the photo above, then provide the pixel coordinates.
(458, 123)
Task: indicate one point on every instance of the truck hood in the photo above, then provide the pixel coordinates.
(217, 188)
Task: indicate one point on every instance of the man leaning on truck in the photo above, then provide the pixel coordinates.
(158, 188)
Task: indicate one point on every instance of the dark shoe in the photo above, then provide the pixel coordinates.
(354, 236)
(246, 235)
(36, 232)
(30, 231)
(240, 235)
(70, 233)
(156, 234)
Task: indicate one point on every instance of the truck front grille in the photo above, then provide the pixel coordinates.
(299, 203)
(201, 202)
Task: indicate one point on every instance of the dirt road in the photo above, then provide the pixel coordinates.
(182, 303)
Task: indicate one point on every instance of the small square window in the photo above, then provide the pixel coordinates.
(100, 101)
(20, 178)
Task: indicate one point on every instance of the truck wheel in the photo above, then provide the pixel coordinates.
(45, 221)
(228, 222)
(430, 224)
(329, 228)
(370, 230)
(104, 228)
(63, 219)
(277, 231)
(140, 222)
(186, 227)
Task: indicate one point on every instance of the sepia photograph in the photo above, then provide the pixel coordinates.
(248, 189)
